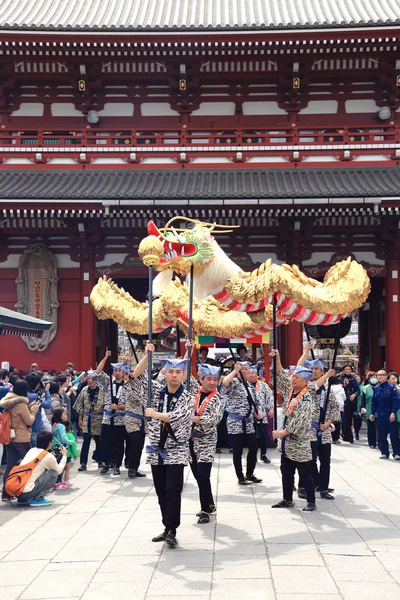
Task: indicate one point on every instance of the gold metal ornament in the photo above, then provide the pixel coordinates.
(151, 251)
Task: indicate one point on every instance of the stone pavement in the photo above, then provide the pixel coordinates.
(94, 543)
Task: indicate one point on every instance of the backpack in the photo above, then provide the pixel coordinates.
(19, 475)
(5, 427)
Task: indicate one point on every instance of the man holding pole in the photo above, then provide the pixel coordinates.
(294, 437)
(171, 416)
(208, 407)
(241, 404)
(321, 435)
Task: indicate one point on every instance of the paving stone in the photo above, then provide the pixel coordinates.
(301, 579)
(298, 554)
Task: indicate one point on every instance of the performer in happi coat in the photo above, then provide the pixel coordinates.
(265, 401)
(171, 416)
(321, 432)
(294, 438)
(90, 408)
(208, 411)
(113, 425)
(241, 404)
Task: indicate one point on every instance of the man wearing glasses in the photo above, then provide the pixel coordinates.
(385, 404)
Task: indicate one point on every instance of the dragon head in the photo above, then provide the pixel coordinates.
(181, 248)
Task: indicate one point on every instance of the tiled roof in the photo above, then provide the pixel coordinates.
(245, 184)
(12, 318)
(195, 14)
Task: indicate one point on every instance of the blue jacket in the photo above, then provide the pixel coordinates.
(385, 400)
(46, 403)
(352, 387)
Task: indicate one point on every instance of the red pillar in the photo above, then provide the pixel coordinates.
(294, 342)
(87, 330)
(392, 312)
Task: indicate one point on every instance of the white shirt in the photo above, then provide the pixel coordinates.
(48, 463)
(340, 394)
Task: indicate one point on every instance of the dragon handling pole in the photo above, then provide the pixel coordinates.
(190, 328)
(109, 360)
(274, 365)
(132, 347)
(335, 353)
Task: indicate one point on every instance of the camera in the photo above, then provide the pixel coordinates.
(57, 450)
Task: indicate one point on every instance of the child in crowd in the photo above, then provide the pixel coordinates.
(63, 436)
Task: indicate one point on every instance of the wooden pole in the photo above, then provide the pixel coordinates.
(150, 354)
(275, 386)
(190, 327)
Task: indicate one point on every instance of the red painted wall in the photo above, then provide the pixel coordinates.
(65, 346)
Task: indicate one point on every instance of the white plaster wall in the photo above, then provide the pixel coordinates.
(211, 160)
(267, 159)
(214, 109)
(64, 109)
(320, 107)
(320, 159)
(110, 259)
(117, 109)
(318, 257)
(18, 161)
(262, 108)
(108, 161)
(370, 157)
(29, 109)
(158, 161)
(361, 106)
(63, 261)
(157, 109)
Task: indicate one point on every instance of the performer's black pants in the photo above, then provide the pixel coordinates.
(239, 440)
(87, 437)
(113, 438)
(202, 474)
(288, 469)
(371, 432)
(357, 420)
(136, 443)
(348, 420)
(321, 476)
(168, 483)
(263, 438)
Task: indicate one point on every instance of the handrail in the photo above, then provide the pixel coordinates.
(191, 137)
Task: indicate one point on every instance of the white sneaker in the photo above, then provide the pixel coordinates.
(397, 457)
(383, 456)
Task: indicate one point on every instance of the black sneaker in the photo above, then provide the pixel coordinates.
(357, 437)
(160, 538)
(104, 470)
(171, 540)
(327, 496)
(218, 450)
(265, 459)
(253, 479)
(131, 473)
(138, 474)
(212, 511)
(203, 518)
(309, 507)
(82, 468)
(116, 471)
(244, 481)
(301, 493)
(283, 504)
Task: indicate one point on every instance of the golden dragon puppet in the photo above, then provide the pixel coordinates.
(228, 302)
